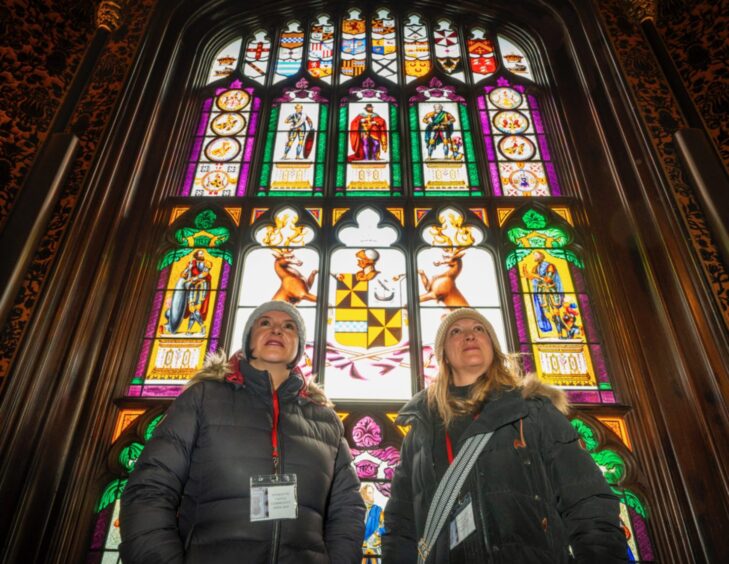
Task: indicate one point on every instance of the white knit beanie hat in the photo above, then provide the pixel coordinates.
(275, 305)
(450, 319)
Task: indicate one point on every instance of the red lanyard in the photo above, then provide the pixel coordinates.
(274, 431)
(449, 449)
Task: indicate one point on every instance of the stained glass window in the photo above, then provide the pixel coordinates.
(454, 271)
(353, 52)
(293, 160)
(520, 163)
(321, 49)
(441, 143)
(369, 143)
(283, 266)
(377, 235)
(221, 153)
(186, 314)
(554, 318)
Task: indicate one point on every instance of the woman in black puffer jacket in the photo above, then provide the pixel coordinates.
(535, 495)
(189, 497)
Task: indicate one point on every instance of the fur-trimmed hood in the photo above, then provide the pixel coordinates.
(218, 367)
(532, 387)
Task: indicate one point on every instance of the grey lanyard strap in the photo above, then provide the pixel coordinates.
(449, 486)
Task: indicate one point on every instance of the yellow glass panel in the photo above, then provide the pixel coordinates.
(404, 429)
(235, 214)
(256, 213)
(337, 214)
(564, 213)
(617, 425)
(503, 214)
(177, 212)
(399, 213)
(564, 364)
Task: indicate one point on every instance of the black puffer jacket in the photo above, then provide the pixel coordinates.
(535, 491)
(188, 499)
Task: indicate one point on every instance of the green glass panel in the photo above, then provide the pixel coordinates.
(319, 175)
(472, 174)
(586, 434)
(396, 147)
(464, 117)
(632, 501)
(611, 464)
(111, 493)
(534, 220)
(396, 175)
(604, 386)
(129, 456)
(265, 175)
(152, 426)
(340, 175)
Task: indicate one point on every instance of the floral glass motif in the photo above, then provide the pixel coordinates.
(515, 61)
(283, 266)
(481, 56)
(416, 48)
(353, 55)
(369, 143)
(520, 163)
(106, 536)
(257, 55)
(321, 49)
(367, 354)
(290, 51)
(187, 311)
(553, 313)
(633, 514)
(293, 160)
(454, 271)
(441, 142)
(225, 61)
(221, 153)
(384, 45)
(448, 49)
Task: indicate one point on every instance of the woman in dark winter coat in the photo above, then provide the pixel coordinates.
(248, 465)
(533, 496)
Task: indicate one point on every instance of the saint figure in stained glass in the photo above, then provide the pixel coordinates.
(191, 297)
(301, 133)
(368, 136)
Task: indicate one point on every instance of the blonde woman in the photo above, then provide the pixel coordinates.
(533, 495)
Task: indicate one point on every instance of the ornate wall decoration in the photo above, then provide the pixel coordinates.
(662, 117)
(41, 93)
(692, 32)
(43, 43)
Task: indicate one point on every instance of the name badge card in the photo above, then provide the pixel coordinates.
(463, 523)
(273, 497)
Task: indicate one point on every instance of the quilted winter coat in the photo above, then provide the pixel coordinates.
(537, 495)
(188, 499)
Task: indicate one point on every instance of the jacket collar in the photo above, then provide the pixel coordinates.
(259, 381)
(502, 409)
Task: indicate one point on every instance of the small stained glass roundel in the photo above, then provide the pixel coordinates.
(517, 148)
(233, 100)
(228, 123)
(505, 98)
(222, 149)
(511, 122)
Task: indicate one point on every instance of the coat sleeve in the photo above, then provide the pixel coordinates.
(344, 524)
(149, 504)
(399, 541)
(589, 509)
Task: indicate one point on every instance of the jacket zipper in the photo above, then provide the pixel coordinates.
(277, 463)
(482, 514)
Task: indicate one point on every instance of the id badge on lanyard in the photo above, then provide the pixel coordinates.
(462, 522)
(273, 497)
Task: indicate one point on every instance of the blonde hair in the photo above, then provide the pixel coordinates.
(504, 374)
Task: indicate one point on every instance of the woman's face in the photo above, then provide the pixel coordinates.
(468, 348)
(274, 339)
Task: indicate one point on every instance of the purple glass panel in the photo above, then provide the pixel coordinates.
(608, 397)
(542, 140)
(495, 179)
(518, 88)
(485, 122)
(536, 115)
(514, 279)
(521, 322)
(134, 391)
(583, 396)
(154, 315)
(143, 357)
(578, 279)
(588, 322)
(366, 433)
(500, 82)
(164, 277)
(642, 539)
(213, 345)
(384, 488)
(243, 178)
(481, 104)
(553, 182)
(203, 126)
(218, 315)
(598, 363)
(490, 153)
(527, 359)
(102, 522)
(162, 391)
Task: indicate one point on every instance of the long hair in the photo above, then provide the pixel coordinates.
(504, 374)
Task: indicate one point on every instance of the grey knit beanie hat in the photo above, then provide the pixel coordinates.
(450, 319)
(275, 305)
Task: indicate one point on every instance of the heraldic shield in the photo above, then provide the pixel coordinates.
(360, 319)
